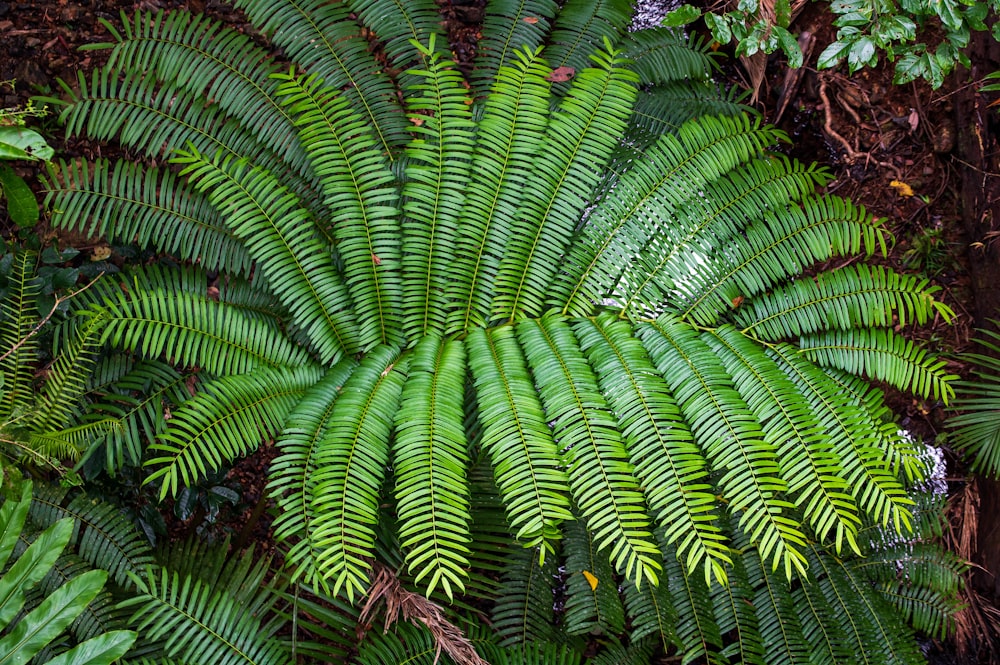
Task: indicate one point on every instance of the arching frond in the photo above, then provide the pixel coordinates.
(665, 109)
(523, 613)
(399, 24)
(592, 602)
(600, 475)
(429, 460)
(582, 27)
(881, 355)
(323, 40)
(731, 437)
(437, 177)
(126, 203)
(281, 238)
(852, 296)
(227, 419)
(509, 26)
(667, 461)
(666, 55)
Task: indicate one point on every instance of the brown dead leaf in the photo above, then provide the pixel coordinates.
(737, 301)
(560, 74)
(376, 260)
(417, 120)
(913, 120)
(530, 19)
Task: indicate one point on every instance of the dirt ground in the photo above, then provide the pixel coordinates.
(891, 148)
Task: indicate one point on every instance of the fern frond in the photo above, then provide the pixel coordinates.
(430, 460)
(696, 628)
(406, 643)
(280, 237)
(666, 55)
(777, 614)
(102, 535)
(437, 178)
(852, 296)
(522, 612)
(782, 243)
(881, 355)
(399, 24)
(583, 27)
(511, 132)
(977, 428)
(18, 317)
(592, 602)
(666, 108)
(517, 437)
(651, 614)
(346, 468)
(188, 327)
(806, 459)
(667, 462)
(128, 203)
(731, 437)
(736, 614)
(580, 136)
(674, 170)
(101, 615)
(600, 476)
(508, 26)
(227, 419)
(198, 623)
(323, 39)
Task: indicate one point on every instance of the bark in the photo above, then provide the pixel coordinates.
(978, 160)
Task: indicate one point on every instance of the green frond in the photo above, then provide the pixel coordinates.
(103, 535)
(437, 178)
(532, 653)
(782, 243)
(665, 108)
(129, 203)
(601, 478)
(976, 428)
(696, 629)
(324, 40)
(205, 58)
(101, 615)
(322, 628)
(136, 400)
(731, 437)
(18, 316)
(666, 55)
(511, 133)
(651, 614)
(492, 540)
(516, 436)
(881, 355)
(228, 418)
(583, 27)
(777, 615)
(331, 472)
(281, 238)
(736, 614)
(854, 437)
(522, 612)
(12, 517)
(806, 458)
(67, 377)
(580, 137)
(398, 24)
(429, 460)
(358, 188)
(849, 297)
(68, 443)
(673, 171)
(146, 316)
(508, 26)
(636, 653)
(405, 643)
(198, 623)
(592, 603)
(667, 462)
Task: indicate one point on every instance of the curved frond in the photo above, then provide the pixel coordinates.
(129, 203)
(592, 602)
(281, 239)
(666, 55)
(323, 39)
(852, 296)
(665, 108)
(667, 462)
(517, 437)
(400, 23)
(582, 27)
(600, 476)
(731, 437)
(430, 460)
(228, 418)
(580, 137)
(522, 612)
(509, 26)
(881, 355)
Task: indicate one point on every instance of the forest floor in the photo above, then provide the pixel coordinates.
(888, 147)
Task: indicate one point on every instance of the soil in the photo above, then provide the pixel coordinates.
(893, 148)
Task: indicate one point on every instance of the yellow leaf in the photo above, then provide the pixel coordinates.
(591, 579)
(901, 188)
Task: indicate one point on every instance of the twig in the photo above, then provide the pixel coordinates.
(45, 319)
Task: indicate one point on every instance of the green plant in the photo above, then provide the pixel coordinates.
(558, 280)
(37, 424)
(19, 143)
(28, 634)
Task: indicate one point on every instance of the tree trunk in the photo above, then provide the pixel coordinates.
(979, 165)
